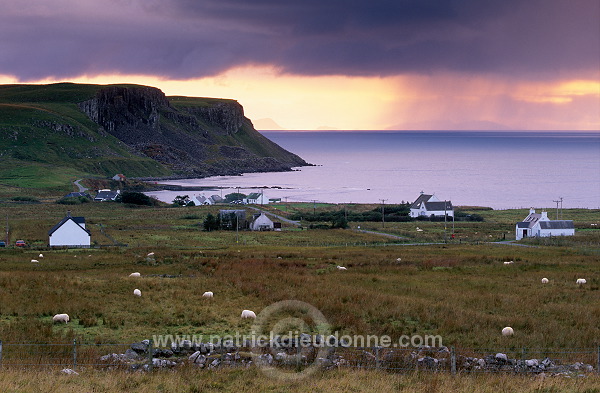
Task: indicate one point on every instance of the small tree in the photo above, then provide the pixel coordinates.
(234, 196)
(211, 223)
(181, 200)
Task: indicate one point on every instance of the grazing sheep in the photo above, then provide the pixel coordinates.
(41, 256)
(509, 262)
(35, 261)
(207, 294)
(545, 280)
(581, 281)
(150, 254)
(137, 292)
(341, 267)
(248, 314)
(419, 229)
(136, 274)
(61, 318)
(508, 331)
(398, 259)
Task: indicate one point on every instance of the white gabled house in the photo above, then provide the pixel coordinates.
(201, 200)
(539, 225)
(429, 205)
(262, 223)
(70, 232)
(256, 199)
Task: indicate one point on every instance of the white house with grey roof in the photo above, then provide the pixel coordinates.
(429, 205)
(256, 199)
(70, 232)
(539, 225)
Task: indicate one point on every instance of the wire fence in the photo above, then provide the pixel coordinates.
(144, 356)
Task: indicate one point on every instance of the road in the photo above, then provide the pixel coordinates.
(81, 188)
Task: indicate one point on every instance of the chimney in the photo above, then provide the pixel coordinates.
(68, 213)
(544, 216)
(532, 211)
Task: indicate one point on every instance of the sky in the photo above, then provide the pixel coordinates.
(328, 64)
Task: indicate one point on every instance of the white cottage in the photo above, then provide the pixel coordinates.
(539, 225)
(201, 200)
(69, 232)
(262, 223)
(256, 199)
(428, 205)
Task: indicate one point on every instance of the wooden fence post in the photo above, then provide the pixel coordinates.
(74, 354)
(1, 353)
(452, 360)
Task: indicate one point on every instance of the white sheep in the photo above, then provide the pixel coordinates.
(61, 318)
(41, 256)
(248, 314)
(341, 267)
(150, 254)
(207, 294)
(545, 280)
(581, 281)
(398, 259)
(509, 262)
(137, 292)
(135, 274)
(419, 229)
(508, 331)
(35, 261)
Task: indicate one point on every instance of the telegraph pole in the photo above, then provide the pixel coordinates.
(557, 202)
(383, 212)
(314, 207)
(445, 220)
(6, 229)
(561, 210)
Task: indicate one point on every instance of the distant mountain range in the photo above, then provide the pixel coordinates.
(130, 129)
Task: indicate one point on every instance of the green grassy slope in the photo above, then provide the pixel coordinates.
(43, 132)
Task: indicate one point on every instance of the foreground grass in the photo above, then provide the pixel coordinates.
(460, 291)
(251, 380)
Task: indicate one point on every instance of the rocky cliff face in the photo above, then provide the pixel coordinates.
(194, 137)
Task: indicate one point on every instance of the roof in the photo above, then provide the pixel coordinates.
(254, 195)
(107, 195)
(522, 225)
(77, 194)
(76, 220)
(422, 198)
(438, 206)
(557, 224)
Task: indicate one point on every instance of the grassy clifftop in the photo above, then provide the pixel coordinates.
(84, 129)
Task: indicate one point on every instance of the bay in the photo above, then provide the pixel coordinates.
(496, 169)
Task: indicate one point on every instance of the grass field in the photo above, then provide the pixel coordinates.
(192, 381)
(461, 290)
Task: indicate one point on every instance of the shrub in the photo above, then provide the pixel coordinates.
(136, 198)
(25, 199)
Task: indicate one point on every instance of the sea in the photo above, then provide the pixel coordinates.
(501, 170)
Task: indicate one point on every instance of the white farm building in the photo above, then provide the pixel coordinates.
(69, 232)
(430, 205)
(539, 225)
(262, 223)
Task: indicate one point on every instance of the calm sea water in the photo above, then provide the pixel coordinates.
(496, 169)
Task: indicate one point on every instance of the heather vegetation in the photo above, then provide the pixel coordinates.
(459, 289)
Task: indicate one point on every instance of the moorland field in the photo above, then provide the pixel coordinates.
(460, 290)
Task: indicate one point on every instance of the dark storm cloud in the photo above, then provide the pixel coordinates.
(182, 39)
